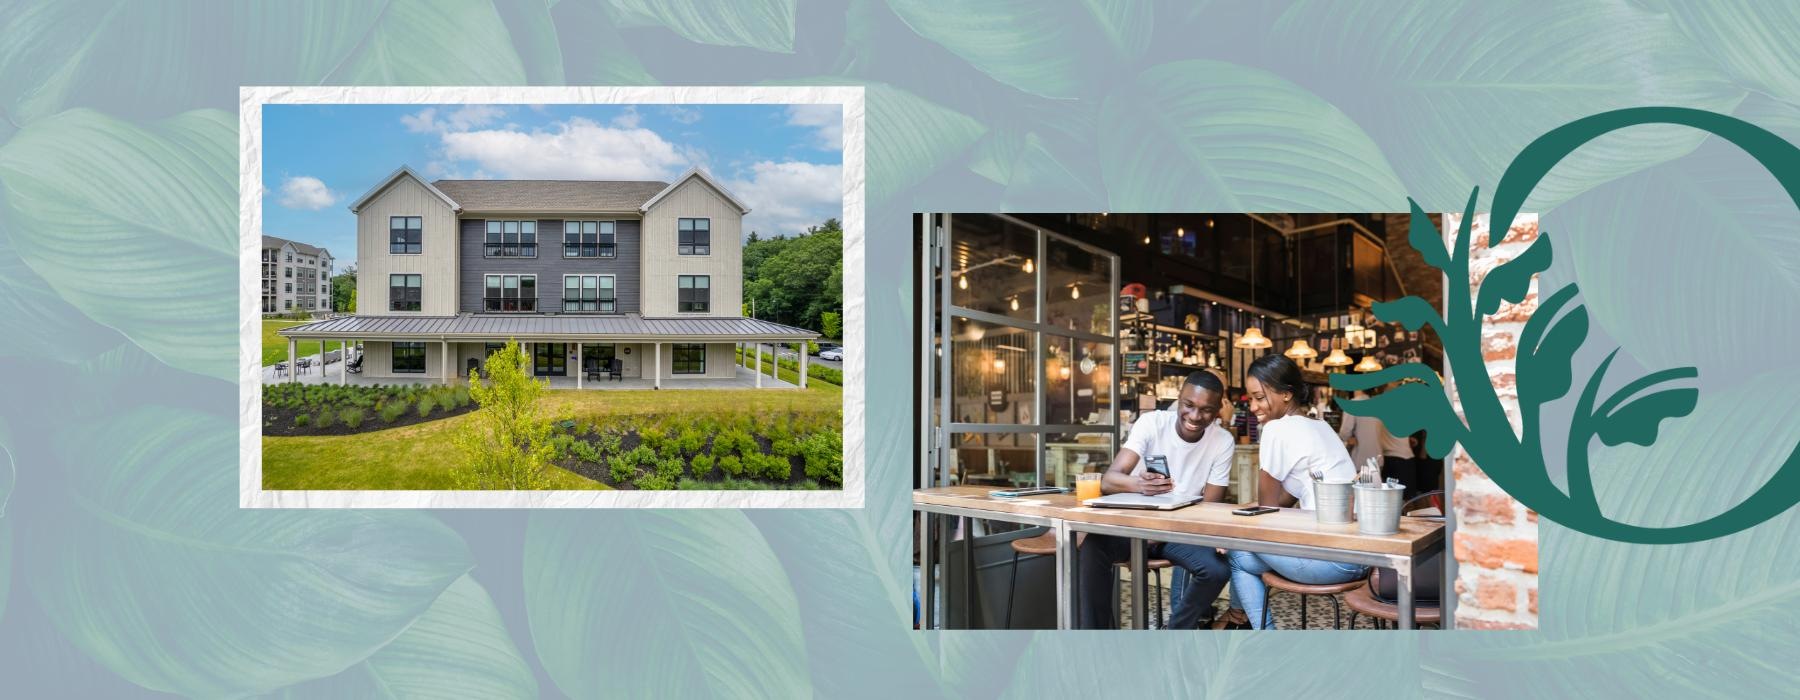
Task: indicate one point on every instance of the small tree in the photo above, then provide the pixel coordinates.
(507, 443)
(831, 323)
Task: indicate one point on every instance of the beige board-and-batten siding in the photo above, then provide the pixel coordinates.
(436, 262)
(693, 199)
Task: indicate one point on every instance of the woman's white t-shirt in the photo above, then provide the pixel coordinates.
(1292, 446)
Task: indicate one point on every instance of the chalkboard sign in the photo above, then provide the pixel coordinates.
(1137, 364)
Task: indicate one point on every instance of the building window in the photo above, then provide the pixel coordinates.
(404, 235)
(287, 303)
(694, 236)
(511, 239)
(589, 239)
(690, 359)
(510, 293)
(324, 275)
(287, 272)
(409, 358)
(695, 292)
(403, 292)
(290, 257)
(290, 286)
(592, 293)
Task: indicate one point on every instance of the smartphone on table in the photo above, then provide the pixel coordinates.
(1255, 510)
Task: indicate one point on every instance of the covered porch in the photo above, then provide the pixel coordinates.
(570, 352)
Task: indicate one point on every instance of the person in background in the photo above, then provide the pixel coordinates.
(1244, 422)
(1293, 446)
(1199, 455)
(1368, 438)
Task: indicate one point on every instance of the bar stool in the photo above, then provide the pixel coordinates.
(1363, 602)
(1041, 545)
(1150, 565)
(1307, 590)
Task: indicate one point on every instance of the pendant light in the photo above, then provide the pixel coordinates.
(1252, 339)
(1074, 291)
(1368, 364)
(1337, 358)
(1027, 267)
(1301, 350)
(963, 281)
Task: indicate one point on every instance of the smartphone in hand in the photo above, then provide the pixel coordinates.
(1157, 464)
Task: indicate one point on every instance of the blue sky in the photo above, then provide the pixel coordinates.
(784, 161)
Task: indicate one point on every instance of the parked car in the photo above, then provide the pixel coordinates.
(822, 347)
(834, 354)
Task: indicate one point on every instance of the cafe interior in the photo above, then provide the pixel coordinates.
(1042, 337)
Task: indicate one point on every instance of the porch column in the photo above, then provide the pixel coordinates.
(580, 367)
(343, 362)
(446, 360)
(293, 365)
(803, 364)
(759, 364)
(656, 367)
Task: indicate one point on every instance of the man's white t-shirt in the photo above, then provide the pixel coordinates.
(1192, 465)
(1292, 446)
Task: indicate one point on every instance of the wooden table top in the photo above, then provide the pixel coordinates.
(1290, 526)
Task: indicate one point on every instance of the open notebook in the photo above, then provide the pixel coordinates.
(1167, 501)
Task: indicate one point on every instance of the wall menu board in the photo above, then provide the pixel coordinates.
(1135, 364)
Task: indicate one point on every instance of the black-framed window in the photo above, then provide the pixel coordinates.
(404, 235)
(693, 236)
(290, 286)
(592, 293)
(589, 239)
(506, 293)
(694, 292)
(287, 272)
(690, 359)
(409, 358)
(287, 303)
(403, 292)
(290, 257)
(511, 239)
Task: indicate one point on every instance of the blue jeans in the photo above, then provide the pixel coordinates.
(1249, 594)
(1100, 553)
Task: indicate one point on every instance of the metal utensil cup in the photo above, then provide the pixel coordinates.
(1378, 508)
(1331, 502)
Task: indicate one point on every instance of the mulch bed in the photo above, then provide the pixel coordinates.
(283, 421)
(603, 472)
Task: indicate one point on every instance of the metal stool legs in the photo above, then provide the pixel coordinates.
(1012, 589)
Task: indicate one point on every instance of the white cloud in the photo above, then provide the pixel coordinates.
(306, 192)
(575, 149)
(462, 119)
(828, 119)
(685, 115)
(628, 119)
(785, 198)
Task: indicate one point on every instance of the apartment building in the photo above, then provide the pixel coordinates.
(295, 277)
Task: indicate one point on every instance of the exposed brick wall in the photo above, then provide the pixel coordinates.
(1496, 544)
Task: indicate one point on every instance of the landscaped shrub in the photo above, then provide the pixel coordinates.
(622, 469)
(654, 482)
(324, 418)
(735, 441)
(641, 455)
(425, 406)
(651, 438)
(731, 465)
(669, 468)
(353, 417)
(702, 465)
(769, 467)
(691, 441)
(611, 443)
(824, 453)
(302, 420)
(671, 449)
(784, 448)
(392, 410)
(584, 450)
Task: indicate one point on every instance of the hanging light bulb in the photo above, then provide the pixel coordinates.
(1368, 364)
(962, 282)
(1252, 339)
(1337, 358)
(1015, 303)
(1028, 268)
(1064, 372)
(1146, 240)
(1301, 350)
(1074, 292)
(999, 365)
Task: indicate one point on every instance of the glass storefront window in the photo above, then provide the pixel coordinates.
(1077, 382)
(1068, 454)
(992, 375)
(1078, 294)
(993, 459)
(993, 267)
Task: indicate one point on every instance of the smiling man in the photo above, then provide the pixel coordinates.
(1199, 455)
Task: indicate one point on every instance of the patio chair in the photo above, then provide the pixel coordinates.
(616, 369)
(355, 365)
(590, 370)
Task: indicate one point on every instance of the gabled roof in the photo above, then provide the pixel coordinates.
(692, 173)
(551, 196)
(401, 171)
(301, 248)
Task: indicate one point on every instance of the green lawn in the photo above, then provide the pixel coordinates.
(422, 456)
(275, 346)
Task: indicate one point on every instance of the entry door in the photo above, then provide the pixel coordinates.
(550, 359)
(598, 356)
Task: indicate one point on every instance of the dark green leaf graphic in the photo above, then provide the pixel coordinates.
(155, 572)
(1545, 358)
(1512, 281)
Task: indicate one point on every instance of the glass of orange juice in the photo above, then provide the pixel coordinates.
(1087, 486)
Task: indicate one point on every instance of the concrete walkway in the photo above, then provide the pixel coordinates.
(745, 379)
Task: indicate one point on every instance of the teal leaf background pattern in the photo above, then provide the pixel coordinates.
(1058, 49)
(1210, 136)
(92, 198)
(156, 573)
(757, 24)
(661, 604)
(457, 648)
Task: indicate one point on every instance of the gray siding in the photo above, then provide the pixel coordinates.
(549, 265)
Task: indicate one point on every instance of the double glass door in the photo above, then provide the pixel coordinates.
(550, 359)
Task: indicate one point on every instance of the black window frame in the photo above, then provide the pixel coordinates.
(414, 350)
(405, 296)
(408, 237)
(605, 299)
(694, 298)
(695, 239)
(498, 304)
(601, 242)
(523, 243)
(694, 364)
